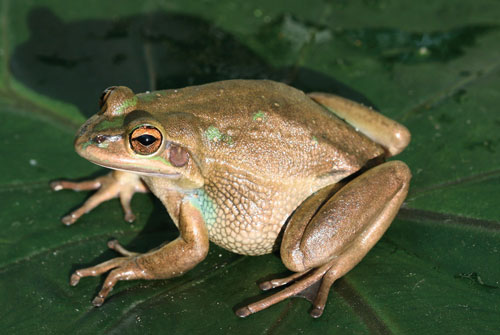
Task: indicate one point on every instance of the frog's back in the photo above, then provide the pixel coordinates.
(272, 128)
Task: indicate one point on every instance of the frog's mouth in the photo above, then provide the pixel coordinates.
(137, 170)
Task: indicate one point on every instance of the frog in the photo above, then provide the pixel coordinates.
(253, 166)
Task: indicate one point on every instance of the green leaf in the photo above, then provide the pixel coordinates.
(433, 66)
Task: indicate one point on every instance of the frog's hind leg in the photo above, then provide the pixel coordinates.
(329, 238)
(393, 136)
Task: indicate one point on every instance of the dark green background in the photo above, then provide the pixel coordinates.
(432, 65)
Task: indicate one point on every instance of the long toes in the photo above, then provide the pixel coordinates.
(275, 298)
(310, 281)
(124, 272)
(97, 269)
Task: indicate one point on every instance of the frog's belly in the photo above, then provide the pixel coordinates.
(247, 223)
(256, 237)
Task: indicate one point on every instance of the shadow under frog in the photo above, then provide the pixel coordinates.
(75, 61)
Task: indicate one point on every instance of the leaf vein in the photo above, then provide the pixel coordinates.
(460, 181)
(420, 215)
(446, 93)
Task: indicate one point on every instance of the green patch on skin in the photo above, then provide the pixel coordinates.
(110, 124)
(214, 135)
(259, 116)
(202, 201)
(314, 139)
(126, 104)
(161, 159)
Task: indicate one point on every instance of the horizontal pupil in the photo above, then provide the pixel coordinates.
(146, 139)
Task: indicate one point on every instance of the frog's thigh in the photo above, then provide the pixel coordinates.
(347, 226)
(393, 136)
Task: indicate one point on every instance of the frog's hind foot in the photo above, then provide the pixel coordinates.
(331, 238)
(114, 184)
(273, 283)
(313, 285)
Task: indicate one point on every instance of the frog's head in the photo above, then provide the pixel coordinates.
(124, 135)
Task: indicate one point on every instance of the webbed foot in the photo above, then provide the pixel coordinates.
(303, 284)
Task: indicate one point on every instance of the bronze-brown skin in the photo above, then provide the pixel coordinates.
(236, 162)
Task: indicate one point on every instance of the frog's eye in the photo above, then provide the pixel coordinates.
(104, 96)
(145, 140)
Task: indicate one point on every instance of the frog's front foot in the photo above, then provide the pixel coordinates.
(114, 184)
(169, 260)
(123, 268)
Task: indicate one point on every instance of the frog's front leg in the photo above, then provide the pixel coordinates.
(325, 240)
(170, 260)
(114, 184)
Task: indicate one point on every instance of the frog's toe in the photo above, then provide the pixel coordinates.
(243, 312)
(310, 278)
(98, 301)
(74, 280)
(69, 219)
(329, 278)
(114, 245)
(273, 283)
(128, 270)
(125, 199)
(56, 185)
(86, 185)
(97, 270)
(316, 312)
(129, 217)
(122, 268)
(96, 199)
(266, 286)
